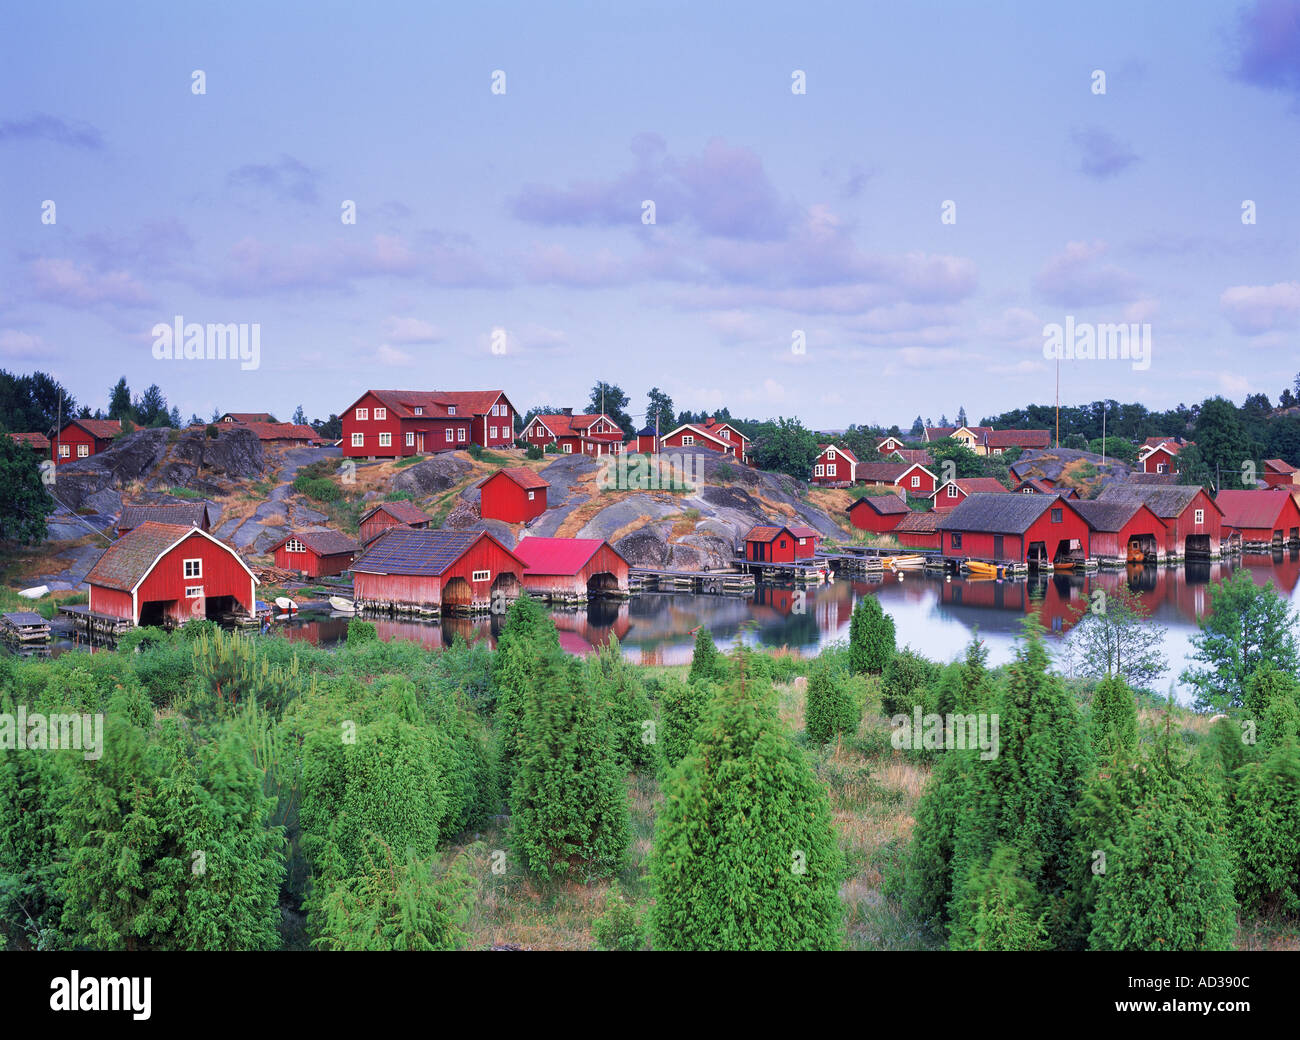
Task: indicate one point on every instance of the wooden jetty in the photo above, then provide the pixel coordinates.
(103, 625)
(25, 628)
(718, 583)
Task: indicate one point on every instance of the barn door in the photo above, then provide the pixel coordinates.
(997, 547)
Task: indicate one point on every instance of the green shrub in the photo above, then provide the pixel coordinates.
(620, 926)
(533, 452)
(1266, 831)
(475, 451)
(620, 689)
(212, 431)
(705, 663)
(1114, 722)
(829, 709)
(681, 708)
(871, 637)
(906, 683)
(360, 632)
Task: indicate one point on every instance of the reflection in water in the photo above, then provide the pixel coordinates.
(933, 614)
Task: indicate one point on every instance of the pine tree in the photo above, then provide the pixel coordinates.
(1114, 722)
(705, 665)
(871, 637)
(527, 636)
(568, 803)
(744, 854)
(682, 706)
(829, 709)
(1266, 831)
(622, 692)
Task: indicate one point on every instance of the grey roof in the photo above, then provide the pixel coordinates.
(1111, 515)
(883, 505)
(188, 514)
(1164, 501)
(998, 514)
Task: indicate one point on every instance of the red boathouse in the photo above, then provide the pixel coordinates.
(769, 544)
(316, 552)
(514, 494)
(424, 572)
(1036, 529)
(572, 568)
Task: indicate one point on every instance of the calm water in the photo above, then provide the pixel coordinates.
(933, 615)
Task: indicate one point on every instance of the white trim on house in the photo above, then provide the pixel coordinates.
(190, 534)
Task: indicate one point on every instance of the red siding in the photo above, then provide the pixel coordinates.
(781, 549)
(925, 482)
(310, 563)
(700, 442)
(1158, 458)
(865, 518)
(980, 545)
(429, 431)
(111, 602)
(503, 499)
(222, 575)
(838, 470)
(1179, 528)
(603, 560)
(72, 437)
(1114, 544)
(428, 592)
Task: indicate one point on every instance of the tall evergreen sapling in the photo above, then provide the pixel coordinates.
(829, 709)
(705, 663)
(871, 637)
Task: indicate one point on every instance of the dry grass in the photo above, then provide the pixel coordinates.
(628, 528)
(834, 502)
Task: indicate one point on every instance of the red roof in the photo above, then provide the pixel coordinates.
(401, 510)
(321, 541)
(889, 471)
(281, 431)
(883, 505)
(128, 560)
(1273, 465)
(564, 425)
(37, 440)
(521, 475)
(1246, 509)
(768, 532)
(1018, 438)
(558, 555)
(249, 417)
(919, 523)
(437, 403)
(713, 426)
(843, 451)
(104, 429)
(977, 485)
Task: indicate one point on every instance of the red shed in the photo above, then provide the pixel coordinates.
(572, 568)
(1035, 529)
(380, 518)
(1160, 454)
(878, 513)
(1262, 519)
(165, 572)
(514, 494)
(919, 530)
(316, 552)
(177, 512)
(37, 441)
(427, 571)
(769, 544)
(1277, 472)
(1193, 522)
(1123, 530)
(82, 438)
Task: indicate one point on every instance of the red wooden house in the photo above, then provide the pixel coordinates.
(593, 434)
(1278, 473)
(399, 423)
(1123, 530)
(910, 455)
(514, 494)
(770, 544)
(248, 417)
(82, 438)
(1193, 522)
(954, 492)
(380, 518)
(1268, 519)
(161, 573)
(316, 552)
(835, 466)
(885, 445)
(645, 442)
(998, 441)
(877, 513)
(1160, 454)
(1036, 529)
(720, 437)
(572, 568)
(409, 571)
(177, 512)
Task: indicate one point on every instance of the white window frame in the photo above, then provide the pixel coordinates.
(688, 441)
(492, 433)
(451, 409)
(451, 435)
(410, 439)
(381, 413)
(1162, 467)
(916, 481)
(294, 546)
(193, 591)
(532, 495)
(460, 434)
(568, 449)
(385, 440)
(540, 431)
(1198, 517)
(363, 414)
(358, 440)
(830, 454)
(65, 451)
(419, 409)
(83, 451)
(953, 490)
(198, 568)
(481, 576)
(819, 470)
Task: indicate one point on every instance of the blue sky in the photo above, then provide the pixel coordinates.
(775, 211)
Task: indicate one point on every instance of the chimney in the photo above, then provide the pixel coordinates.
(567, 411)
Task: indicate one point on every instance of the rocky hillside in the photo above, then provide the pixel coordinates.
(1081, 470)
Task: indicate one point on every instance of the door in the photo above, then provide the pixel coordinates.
(419, 443)
(997, 546)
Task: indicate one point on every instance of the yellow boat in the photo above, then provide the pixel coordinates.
(979, 569)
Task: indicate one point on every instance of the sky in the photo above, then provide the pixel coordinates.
(891, 240)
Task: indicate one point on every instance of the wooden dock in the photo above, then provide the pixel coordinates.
(717, 583)
(103, 625)
(786, 573)
(25, 628)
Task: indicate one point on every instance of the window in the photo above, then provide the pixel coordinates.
(358, 440)
(419, 410)
(540, 431)
(819, 471)
(1058, 515)
(193, 568)
(997, 451)
(956, 539)
(451, 409)
(410, 440)
(916, 482)
(568, 449)
(83, 451)
(481, 575)
(492, 433)
(830, 454)
(460, 434)
(781, 543)
(293, 545)
(193, 591)
(531, 495)
(831, 470)
(363, 413)
(1027, 491)
(385, 440)
(1200, 516)
(803, 541)
(65, 451)
(450, 435)
(687, 440)
(953, 490)
(381, 413)
(726, 434)
(1161, 467)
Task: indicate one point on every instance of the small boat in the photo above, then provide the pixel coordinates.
(343, 606)
(1062, 565)
(285, 605)
(907, 561)
(34, 593)
(979, 569)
